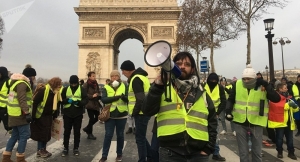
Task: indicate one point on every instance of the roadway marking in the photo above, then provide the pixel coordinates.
(111, 153)
(55, 148)
(273, 152)
(228, 154)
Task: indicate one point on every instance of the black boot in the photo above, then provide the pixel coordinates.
(129, 130)
(218, 158)
(279, 154)
(91, 136)
(292, 156)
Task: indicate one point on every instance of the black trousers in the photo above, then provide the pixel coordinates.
(298, 124)
(93, 118)
(4, 118)
(70, 123)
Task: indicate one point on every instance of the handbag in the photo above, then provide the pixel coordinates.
(105, 113)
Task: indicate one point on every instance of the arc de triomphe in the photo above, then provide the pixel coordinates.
(105, 24)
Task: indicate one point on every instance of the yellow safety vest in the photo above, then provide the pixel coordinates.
(75, 97)
(171, 121)
(120, 104)
(40, 107)
(131, 96)
(214, 95)
(228, 87)
(295, 91)
(3, 94)
(13, 107)
(247, 106)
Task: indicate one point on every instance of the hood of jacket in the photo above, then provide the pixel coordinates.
(138, 71)
(18, 76)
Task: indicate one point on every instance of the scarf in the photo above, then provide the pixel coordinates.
(57, 97)
(285, 94)
(92, 83)
(185, 85)
(250, 84)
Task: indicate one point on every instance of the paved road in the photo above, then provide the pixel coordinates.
(90, 150)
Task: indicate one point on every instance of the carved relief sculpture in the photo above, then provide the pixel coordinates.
(162, 32)
(94, 33)
(93, 63)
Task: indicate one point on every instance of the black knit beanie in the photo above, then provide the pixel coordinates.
(74, 79)
(127, 65)
(29, 71)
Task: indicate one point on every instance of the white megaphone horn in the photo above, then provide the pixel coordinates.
(159, 54)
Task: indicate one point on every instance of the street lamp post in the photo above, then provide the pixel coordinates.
(282, 43)
(268, 27)
(267, 72)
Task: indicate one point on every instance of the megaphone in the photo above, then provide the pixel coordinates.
(159, 54)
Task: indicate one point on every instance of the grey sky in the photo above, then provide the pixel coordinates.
(46, 36)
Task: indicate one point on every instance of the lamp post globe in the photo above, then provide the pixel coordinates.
(269, 23)
(282, 43)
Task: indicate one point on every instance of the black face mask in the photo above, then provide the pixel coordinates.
(285, 94)
(211, 84)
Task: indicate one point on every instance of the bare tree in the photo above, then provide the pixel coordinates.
(1, 31)
(190, 31)
(251, 10)
(220, 24)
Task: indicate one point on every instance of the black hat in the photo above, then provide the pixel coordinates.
(213, 76)
(74, 79)
(29, 71)
(127, 65)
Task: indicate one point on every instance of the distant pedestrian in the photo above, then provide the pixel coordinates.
(93, 105)
(296, 92)
(4, 87)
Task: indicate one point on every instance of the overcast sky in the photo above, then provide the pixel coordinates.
(45, 34)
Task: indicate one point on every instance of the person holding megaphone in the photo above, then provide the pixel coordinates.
(186, 116)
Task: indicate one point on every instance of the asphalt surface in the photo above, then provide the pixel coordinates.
(90, 150)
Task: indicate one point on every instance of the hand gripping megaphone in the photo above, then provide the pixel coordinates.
(159, 54)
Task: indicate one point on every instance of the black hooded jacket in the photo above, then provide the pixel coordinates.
(138, 89)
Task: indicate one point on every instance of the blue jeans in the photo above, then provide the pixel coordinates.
(21, 134)
(110, 126)
(288, 133)
(41, 145)
(222, 117)
(166, 155)
(217, 147)
(242, 140)
(143, 146)
(155, 147)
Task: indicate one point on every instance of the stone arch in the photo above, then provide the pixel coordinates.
(105, 24)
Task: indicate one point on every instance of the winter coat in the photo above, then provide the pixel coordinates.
(21, 90)
(92, 102)
(41, 127)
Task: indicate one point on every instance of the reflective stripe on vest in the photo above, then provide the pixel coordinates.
(120, 104)
(171, 121)
(247, 105)
(13, 107)
(214, 95)
(40, 107)
(131, 96)
(3, 94)
(75, 97)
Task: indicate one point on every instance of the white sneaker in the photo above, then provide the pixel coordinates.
(223, 132)
(234, 133)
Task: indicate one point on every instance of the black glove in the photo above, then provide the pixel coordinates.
(124, 98)
(28, 118)
(260, 82)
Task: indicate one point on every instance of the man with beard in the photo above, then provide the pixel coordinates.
(248, 106)
(217, 94)
(186, 125)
